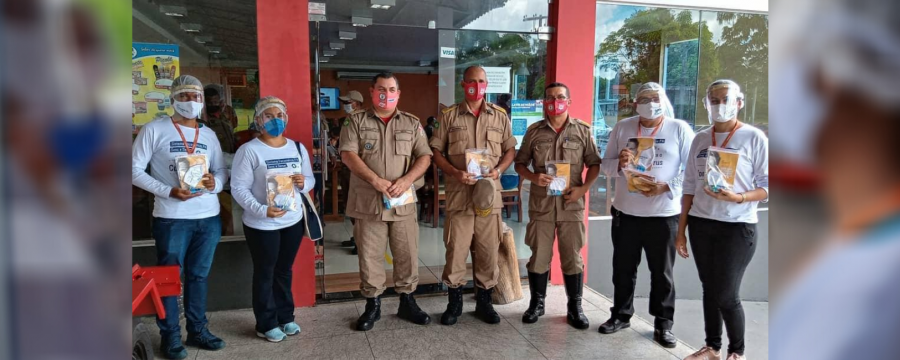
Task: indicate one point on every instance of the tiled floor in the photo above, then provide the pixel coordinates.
(328, 334)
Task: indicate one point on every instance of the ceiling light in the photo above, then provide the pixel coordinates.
(383, 4)
(329, 53)
(215, 49)
(336, 45)
(346, 32)
(203, 39)
(172, 10)
(360, 21)
(424, 63)
(191, 27)
(324, 59)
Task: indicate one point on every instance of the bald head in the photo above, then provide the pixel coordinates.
(474, 73)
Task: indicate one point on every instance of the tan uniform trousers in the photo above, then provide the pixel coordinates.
(372, 237)
(539, 236)
(464, 232)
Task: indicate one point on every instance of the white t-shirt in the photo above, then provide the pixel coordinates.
(158, 144)
(248, 181)
(752, 173)
(671, 153)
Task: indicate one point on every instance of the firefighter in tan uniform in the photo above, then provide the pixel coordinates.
(472, 124)
(386, 151)
(558, 138)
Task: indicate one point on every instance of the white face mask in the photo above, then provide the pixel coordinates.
(722, 112)
(650, 110)
(188, 109)
(348, 108)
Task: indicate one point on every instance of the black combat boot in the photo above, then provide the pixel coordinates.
(538, 285)
(484, 306)
(370, 316)
(575, 315)
(410, 311)
(454, 307)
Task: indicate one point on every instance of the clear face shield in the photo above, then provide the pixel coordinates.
(722, 101)
(651, 102)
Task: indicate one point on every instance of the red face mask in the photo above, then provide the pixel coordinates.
(557, 107)
(385, 100)
(474, 91)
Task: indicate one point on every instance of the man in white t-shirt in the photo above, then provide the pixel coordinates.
(186, 224)
(646, 221)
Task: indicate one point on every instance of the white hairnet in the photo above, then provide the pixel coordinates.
(734, 91)
(269, 102)
(657, 89)
(186, 83)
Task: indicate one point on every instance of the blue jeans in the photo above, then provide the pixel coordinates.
(190, 244)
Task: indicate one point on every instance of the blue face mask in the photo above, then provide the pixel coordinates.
(274, 127)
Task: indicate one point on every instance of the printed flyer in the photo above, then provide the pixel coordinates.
(153, 69)
(560, 171)
(525, 113)
(191, 169)
(721, 166)
(280, 190)
(637, 173)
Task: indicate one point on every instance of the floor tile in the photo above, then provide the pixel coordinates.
(461, 341)
(353, 346)
(554, 304)
(238, 326)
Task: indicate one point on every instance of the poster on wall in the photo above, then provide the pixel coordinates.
(498, 79)
(153, 68)
(525, 113)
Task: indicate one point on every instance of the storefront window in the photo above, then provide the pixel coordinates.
(684, 51)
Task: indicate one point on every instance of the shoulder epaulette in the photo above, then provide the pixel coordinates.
(449, 108)
(410, 115)
(497, 107)
(582, 122)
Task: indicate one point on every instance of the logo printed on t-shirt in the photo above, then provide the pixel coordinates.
(282, 163)
(178, 146)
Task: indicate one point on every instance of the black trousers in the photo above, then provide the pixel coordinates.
(722, 252)
(273, 253)
(655, 236)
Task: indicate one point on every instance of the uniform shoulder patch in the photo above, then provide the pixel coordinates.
(449, 108)
(582, 122)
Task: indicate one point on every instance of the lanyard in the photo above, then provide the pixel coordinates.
(189, 149)
(655, 129)
(736, 126)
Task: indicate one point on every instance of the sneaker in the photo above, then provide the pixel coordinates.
(736, 356)
(291, 328)
(274, 335)
(172, 348)
(205, 340)
(705, 353)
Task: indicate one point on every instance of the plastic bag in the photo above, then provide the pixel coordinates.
(721, 167)
(280, 190)
(408, 197)
(191, 169)
(478, 162)
(560, 171)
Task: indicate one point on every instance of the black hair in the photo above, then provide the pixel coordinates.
(385, 75)
(210, 92)
(555, 85)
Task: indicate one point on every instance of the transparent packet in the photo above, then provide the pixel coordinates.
(478, 162)
(280, 190)
(644, 151)
(560, 171)
(638, 181)
(408, 197)
(721, 167)
(191, 169)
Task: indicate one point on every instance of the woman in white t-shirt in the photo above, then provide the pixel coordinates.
(265, 170)
(723, 223)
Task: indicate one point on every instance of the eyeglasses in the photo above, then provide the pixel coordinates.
(648, 100)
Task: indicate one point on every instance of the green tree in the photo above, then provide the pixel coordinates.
(488, 48)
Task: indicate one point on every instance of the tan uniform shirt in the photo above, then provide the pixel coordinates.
(389, 151)
(458, 130)
(575, 145)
